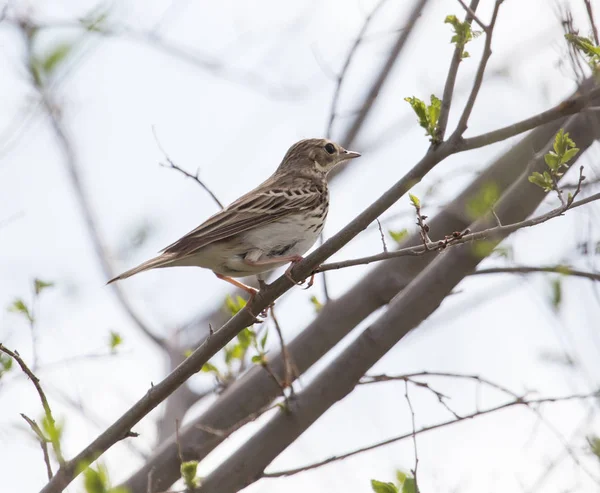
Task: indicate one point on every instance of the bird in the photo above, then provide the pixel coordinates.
(270, 226)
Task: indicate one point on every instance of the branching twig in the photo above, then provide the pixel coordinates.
(487, 52)
(568, 107)
(43, 443)
(513, 403)
(349, 57)
(459, 238)
(47, 411)
(196, 178)
(472, 14)
(451, 80)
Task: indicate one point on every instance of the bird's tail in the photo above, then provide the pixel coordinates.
(160, 261)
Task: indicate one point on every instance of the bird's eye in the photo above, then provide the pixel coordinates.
(330, 148)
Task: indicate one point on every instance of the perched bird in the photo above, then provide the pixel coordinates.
(268, 227)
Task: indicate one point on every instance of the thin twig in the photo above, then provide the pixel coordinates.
(43, 441)
(383, 243)
(414, 436)
(288, 364)
(588, 8)
(196, 178)
(487, 52)
(556, 269)
(227, 432)
(479, 235)
(340, 77)
(513, 403)
(47, 411)
(568, 107)
(472, 14)
(451, 80)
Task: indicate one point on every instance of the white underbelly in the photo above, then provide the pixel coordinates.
(288, 237)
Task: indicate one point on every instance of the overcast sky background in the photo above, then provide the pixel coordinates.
(111, 93)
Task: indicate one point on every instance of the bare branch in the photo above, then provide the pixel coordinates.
(479, 235)
(568, 107)
(349, 57)
(471, 12)
(476, 414)
(196, 178)
(556, 269)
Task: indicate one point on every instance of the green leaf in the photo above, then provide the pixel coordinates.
(245, 337)
(565, 270)
(6, 363)
(258, 358)
(552, 160)
(483, 201)
(594, 442)
(433, 111)
(55, 57)
(188, 473)
(40, 285)
(96, 19)
(401, 477)
(263, 340)
(380, 487)
(415, 200)
(541, 180)
(209, 368)
(398, 236)
(420, 109)
(568, 155)
(95, 481)
(556, 293)
(462, 33)
(483, 248)
(187, 353)
(316, 303)
(52, 430)
(234, 306)
(409, 486)
(19, 306)
(114, 341)
(427, 115)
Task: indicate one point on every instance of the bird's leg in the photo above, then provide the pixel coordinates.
(294, 259)
(249, 289)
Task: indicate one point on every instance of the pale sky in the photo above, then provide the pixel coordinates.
(113, 90)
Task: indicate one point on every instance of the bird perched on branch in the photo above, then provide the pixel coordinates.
(272, 225)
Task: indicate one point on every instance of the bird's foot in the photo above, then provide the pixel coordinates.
(288, 272)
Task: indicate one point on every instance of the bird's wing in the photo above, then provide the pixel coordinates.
(263, 205)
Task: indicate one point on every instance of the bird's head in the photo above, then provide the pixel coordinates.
(318, 156)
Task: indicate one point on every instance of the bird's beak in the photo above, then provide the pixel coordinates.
(349, 154)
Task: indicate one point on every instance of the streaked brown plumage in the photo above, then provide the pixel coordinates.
(268, 227)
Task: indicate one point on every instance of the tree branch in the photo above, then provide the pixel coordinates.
(439, 245)
(487, 52)
(451, 79)
(514, 403)
(557, 269)
(47, 411)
